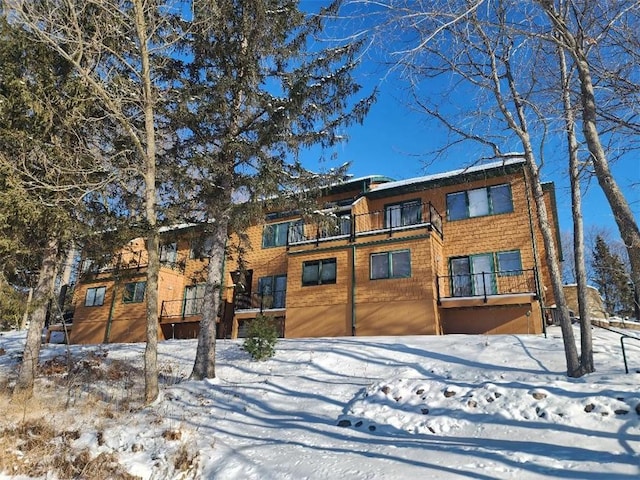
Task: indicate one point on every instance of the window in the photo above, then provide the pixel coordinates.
(169, 252)
(273, 291)
(201, 246)
(134, 292)
(473, 275)
(395, 264)
(193, 299)
(460, 277)
(457, 205)
(344, 225)
(296, 231)
(501, 201)
(277, 234)
(479, 202)
(402, 214)
(509, 263)
(95, 297)
(319, 272)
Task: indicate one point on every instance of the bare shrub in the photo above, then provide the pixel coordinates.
(35, 448)
(185, 460)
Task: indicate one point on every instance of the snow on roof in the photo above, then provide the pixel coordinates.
(452, 173)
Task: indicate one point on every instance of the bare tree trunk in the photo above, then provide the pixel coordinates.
(151, 388)
(622, 213)
(517, 121)
(586, 340)
(625, 220)
(205, 362)
(570, 349)
(42, 294)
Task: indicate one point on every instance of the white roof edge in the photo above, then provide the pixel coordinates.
(452, 173)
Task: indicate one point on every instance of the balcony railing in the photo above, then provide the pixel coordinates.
(258, 301)
(486, 284)
(331, 226)
(128, 261)
(187, 307)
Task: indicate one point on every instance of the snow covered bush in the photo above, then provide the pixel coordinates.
(262, 335)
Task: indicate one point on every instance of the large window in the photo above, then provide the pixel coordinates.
(277, 234)
(479, 202)
(95, 296)
(402, 214)
(134, 292)
(396, 264)
(169, 252)
(319, 272)
(273, 291)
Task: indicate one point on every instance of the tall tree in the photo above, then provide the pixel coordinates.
(586, 349)
(121, 51)
(611, 279)
(597, 36)
(259, 91)
(46, 167)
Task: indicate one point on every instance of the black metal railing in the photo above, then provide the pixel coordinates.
(261, 301)
(120, 261)
(128, 261)
(390, 220)
(187, 307)
(486, 284)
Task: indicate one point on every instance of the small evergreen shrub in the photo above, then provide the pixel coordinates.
(262, 335)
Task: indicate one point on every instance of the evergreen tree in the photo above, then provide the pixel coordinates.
(612, 279)
(257, 93)
(123, 54)
(46, 167)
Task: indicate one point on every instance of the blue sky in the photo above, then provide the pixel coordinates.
(398, 142)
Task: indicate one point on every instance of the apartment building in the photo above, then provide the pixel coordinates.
(456, 252)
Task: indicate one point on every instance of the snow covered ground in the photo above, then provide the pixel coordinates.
(441, 407)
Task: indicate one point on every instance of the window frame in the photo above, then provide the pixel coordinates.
(134, 297)
(491, 202)
(471, 287)
(278, 297)
(320, 263)
(390, 268)
(511, 272)
(190, 305)
(95, 290)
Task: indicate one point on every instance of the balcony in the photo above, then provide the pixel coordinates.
(495, 288)
(178, 310)
(128, 261)
(191, 309)
(331, 226)
(267, 302)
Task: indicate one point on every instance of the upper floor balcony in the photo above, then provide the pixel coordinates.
(328, 226)
(130, 260)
